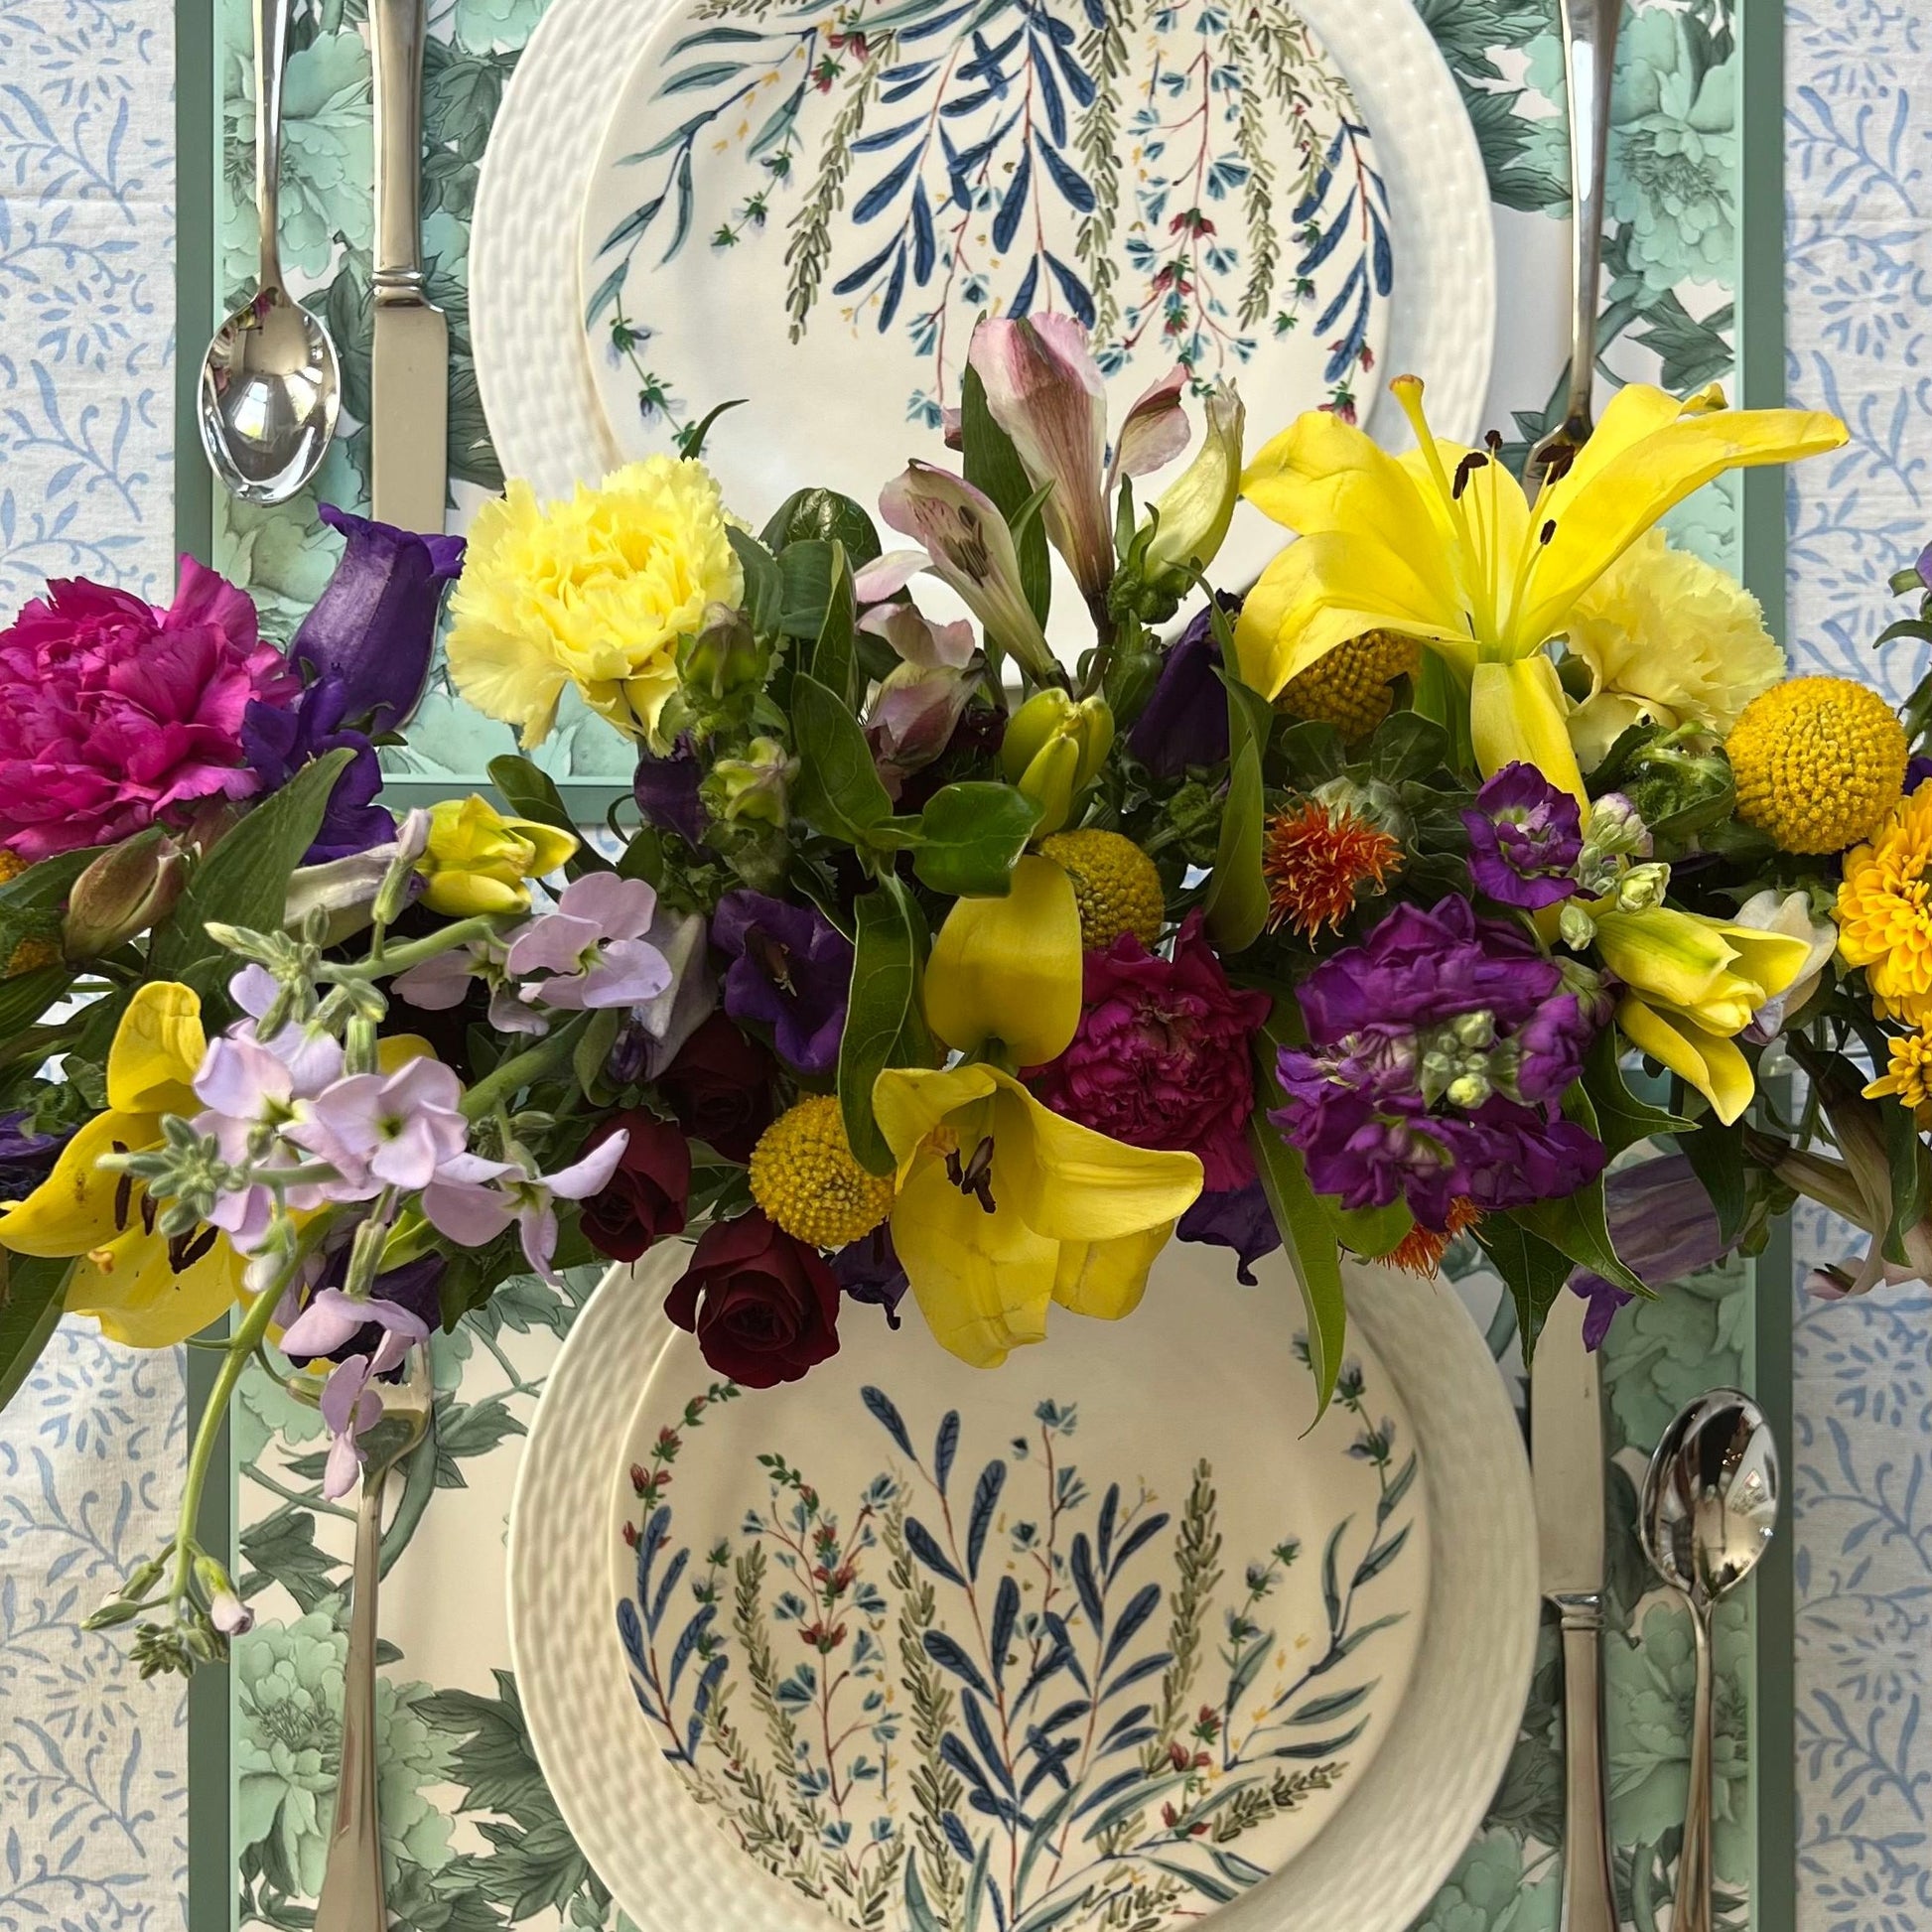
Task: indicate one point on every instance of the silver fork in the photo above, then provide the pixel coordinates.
(1588, 58)
(352, 1898)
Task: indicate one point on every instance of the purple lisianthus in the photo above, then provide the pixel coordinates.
(1438, 1053)
(1525, 838)
(1662, 1226)
(24, 1156)
(869, 1270)
(279, 741)
(374, 622)
(791, 970)
(1238, 1218)
(666, 790)
(1186, 717)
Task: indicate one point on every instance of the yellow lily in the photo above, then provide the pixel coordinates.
(1690, 984)
(146, 1291)
(479, 860)
(1009, 969)
(1442, 545)
(1004, 1207)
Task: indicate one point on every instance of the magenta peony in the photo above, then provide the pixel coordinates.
(1162, 1056)
(113, 712)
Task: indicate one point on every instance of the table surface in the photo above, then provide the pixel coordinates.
(94, 1767)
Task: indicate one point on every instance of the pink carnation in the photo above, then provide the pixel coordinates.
(112, 713)
(1160, 1058)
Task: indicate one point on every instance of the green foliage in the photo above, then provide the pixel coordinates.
(972, 835)
(1716, 1157)
(1575, 1225)
(765, 582)
(1622, 1119)
(883, 1026)
(1533, 1269)
(838, 791)
(1236, 906)
(32, 1287)
(26, 996)
(30, 902)
(828, 517)
(531, 794)
(992, 463)
(834, 661)
(244, 879)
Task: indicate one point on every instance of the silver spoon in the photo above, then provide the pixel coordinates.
(270, 384)
(1710, 1506)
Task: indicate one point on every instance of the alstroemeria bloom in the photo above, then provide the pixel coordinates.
(918, 702)
(591, 950)
(969, 548)
(147, 1290)
(1690, 986)
(1442, 545)
(1194, 510)
(1004, 1207)
(1009, 969)
(473, 1200)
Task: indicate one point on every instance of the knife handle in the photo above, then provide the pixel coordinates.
(397, 29)
(1589, 1897)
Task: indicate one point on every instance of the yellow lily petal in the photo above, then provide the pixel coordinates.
(1321, 473)
(1106, 1279)
(908, 1102)
(1610, 499)
(73, 1210)
(1516, 712)
(157, 1051)
(1705, 1060)
(1675, 955)
(1071, 1183)
(982, 1281)
(132, 1290)
(1009, 969)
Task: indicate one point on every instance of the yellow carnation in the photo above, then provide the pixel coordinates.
(805, 1177)
(1669, 640)
(593, 591)
(1884, 921)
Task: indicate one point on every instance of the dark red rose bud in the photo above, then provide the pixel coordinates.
(645, 1199)
(720, 1088)
(764, 1306)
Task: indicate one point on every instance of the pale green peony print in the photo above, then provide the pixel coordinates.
(1489, 1891)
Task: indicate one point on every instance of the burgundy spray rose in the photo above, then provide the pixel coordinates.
(645, 1199)
(720, 1088)
(764, 1306)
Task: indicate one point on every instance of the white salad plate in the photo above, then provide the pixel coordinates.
(908, 1644)
(542, 398)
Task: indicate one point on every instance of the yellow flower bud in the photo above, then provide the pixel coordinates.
(479, 860)
(1009, 969)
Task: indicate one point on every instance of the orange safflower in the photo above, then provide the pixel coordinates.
(1315, 859)
(1421, 1250)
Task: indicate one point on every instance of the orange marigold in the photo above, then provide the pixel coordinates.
(1315, 859)
(1421, 1250)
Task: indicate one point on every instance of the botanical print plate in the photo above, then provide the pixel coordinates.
(808, 202)
(1101, 1639)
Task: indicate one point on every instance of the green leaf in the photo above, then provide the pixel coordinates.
(1577, 1225)
(1912, 1175)
(973, 835)
(1716, 1157)
(1306, 1237)
(32, 1287)
(838, 791)
(834, 659)
(1370, 1232)
(1236, 906)
(26, 996)
(30, 902)
(531, 794)
(691, 438)
(1406, 745)
(992, 463)
(805, 572)
(882, 1021)
(1622, 1119)
(764, 583)
(1531, 1267)
(826, 515)
(244, 881)
(593, 1049)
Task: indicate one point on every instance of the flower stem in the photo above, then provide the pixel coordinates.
(398, 959)
(520, 1070)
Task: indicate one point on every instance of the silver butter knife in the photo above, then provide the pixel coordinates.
(409, 363)
(1567, 1462)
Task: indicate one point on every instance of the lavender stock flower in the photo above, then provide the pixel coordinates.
(1525, 839)
(789, 970)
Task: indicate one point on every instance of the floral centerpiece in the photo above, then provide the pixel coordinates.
(933, 968)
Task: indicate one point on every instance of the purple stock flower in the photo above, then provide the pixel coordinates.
(1525, 838)
(1239, 1218)
(666, 790)
(374, 622)
(1438, 1053)
(1187, 718)
(1662, 1226)
(791, 970)
(278, 740)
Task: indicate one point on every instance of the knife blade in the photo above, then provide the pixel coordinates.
(409, 352)
(1567, 1465)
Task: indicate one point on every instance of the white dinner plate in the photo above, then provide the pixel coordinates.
(526, 320)
(661, 1729)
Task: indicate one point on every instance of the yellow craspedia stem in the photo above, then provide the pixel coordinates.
(1115, 886)
(1884, 923)
(807, 1178)
(1818, 762)
(1352, 687)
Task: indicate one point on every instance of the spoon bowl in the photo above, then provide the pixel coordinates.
(1709, 1507)
(270, 389)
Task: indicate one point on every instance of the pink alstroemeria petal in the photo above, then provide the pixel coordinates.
(1156, 429)
(886, 576)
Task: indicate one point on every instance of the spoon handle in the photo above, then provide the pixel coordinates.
(1589, 58)
(271, 54)
(1693, 1913)
(351, 1881)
